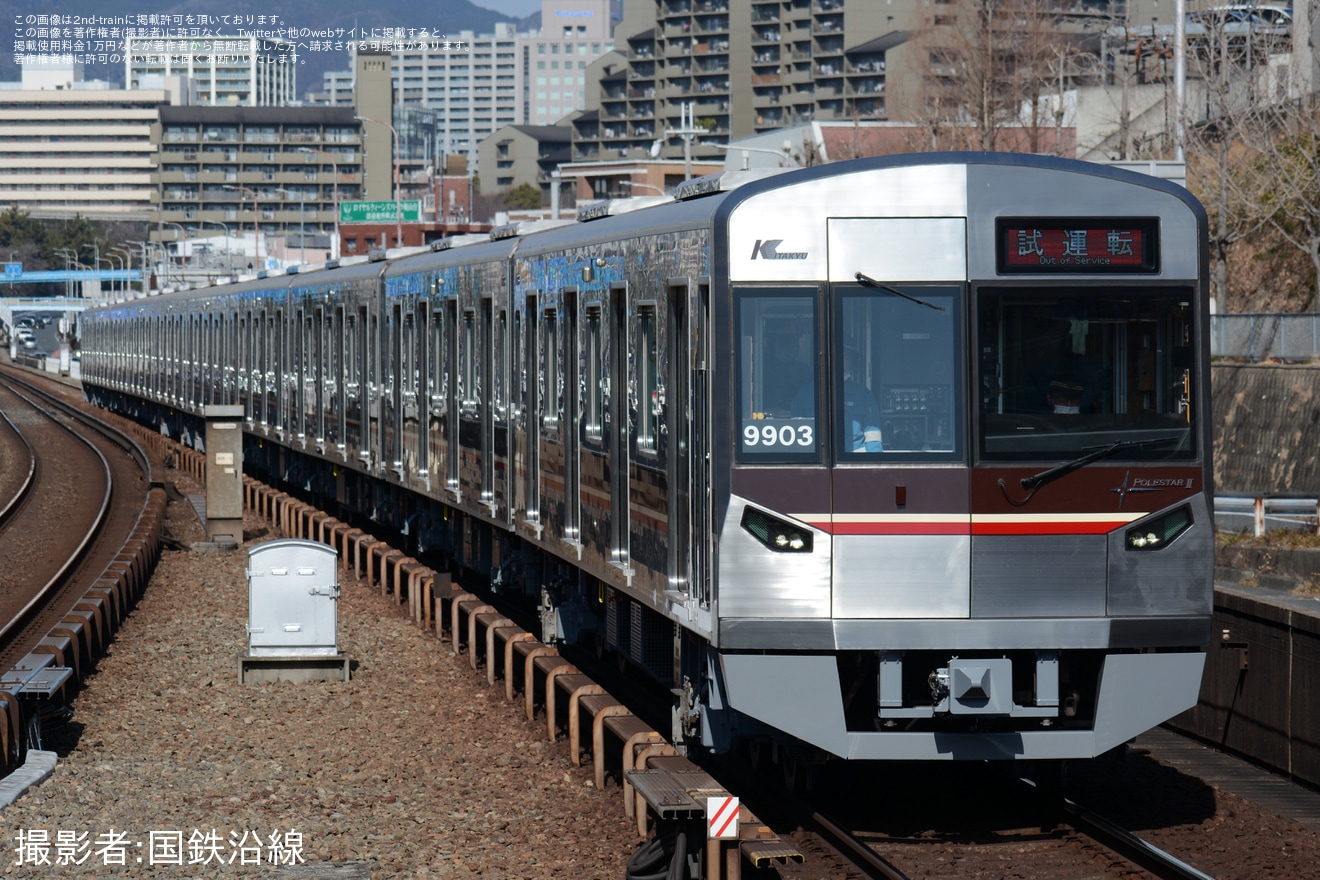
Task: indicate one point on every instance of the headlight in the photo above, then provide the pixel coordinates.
(776, 534)
(1158, 533)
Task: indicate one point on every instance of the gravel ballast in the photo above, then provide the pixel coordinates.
(414, 768)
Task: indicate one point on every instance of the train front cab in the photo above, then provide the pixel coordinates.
(967, 515)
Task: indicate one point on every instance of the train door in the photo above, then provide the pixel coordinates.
(374, 383)
(320, 378)
(302, 331)
(550, 426)
(569, 432)
(531, 474)
(500, 422)
(894, 418)
(242, 321)
(617, 439)
(417, 442)
(337, 388)
(486, 369)
(438, 412)
(276, 377)
(406, 406)
(168, 362)
(678, 414)
(261, 366)
(193, 360)
(697, 332)
(451, 396)
(353, 337)
(392, 378)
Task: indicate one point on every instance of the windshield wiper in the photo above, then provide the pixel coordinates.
(1035, 481)
(871, 282)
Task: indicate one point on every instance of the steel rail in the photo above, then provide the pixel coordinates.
(50, 587)
(1130, 846)
(850, 846)
(12, 504)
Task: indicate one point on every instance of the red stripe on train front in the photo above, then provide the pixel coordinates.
(1065, 525)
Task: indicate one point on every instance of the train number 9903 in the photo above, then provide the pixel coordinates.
(772, 435)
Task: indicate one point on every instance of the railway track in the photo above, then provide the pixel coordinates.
(1087, 846)
(79, 531)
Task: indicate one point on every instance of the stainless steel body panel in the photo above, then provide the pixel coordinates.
(1009, 634)
(901, 576)
(754, 582)
(1137, 692)
(1039, 575)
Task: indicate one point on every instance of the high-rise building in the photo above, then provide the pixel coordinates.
(698, 72)
(478, 84)
(227, 71)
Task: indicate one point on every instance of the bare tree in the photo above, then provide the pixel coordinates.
(992, 64)
(1230, 129)
(1241, 116)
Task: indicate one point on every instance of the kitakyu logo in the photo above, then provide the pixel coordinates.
(769, 250)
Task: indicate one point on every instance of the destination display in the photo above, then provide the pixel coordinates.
(1081, 245)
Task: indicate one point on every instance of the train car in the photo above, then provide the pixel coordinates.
(894, 458)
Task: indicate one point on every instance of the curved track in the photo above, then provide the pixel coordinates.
(79, 531)
(60, 515)
(18, 467)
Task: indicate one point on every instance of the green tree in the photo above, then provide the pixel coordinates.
(524, 195)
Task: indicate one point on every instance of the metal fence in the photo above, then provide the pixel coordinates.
(1290, 337)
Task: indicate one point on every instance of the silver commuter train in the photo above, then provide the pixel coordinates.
(895, 458)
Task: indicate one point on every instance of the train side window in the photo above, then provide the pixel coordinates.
(408, 354)
(647, 383)
(777, 399)
(468, 358)
(595, 405)
(439, 376)
(497, 379)
(351, 354)
(550, 369)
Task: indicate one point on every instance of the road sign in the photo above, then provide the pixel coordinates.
(379, 212)
(12, 269)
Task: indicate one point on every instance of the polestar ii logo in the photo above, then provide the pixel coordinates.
(1148, 484)
(769, 250)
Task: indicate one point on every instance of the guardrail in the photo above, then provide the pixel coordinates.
(1261, 513)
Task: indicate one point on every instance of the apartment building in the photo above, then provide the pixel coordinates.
(742, 67)
(69, 146)
(523, 154)
(256, 171)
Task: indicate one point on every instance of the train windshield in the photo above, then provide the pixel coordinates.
(1063, 373)
(896, 364)
(891, 384)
